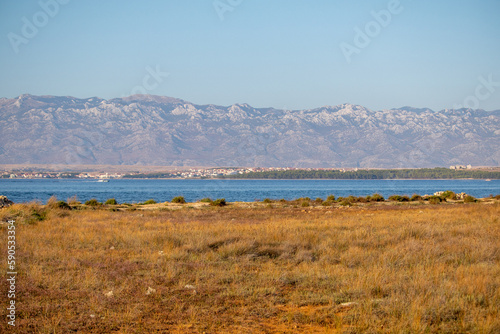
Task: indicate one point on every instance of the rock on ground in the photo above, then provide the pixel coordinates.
(5, 202)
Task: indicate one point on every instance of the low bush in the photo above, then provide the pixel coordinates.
(219, 202)
(331, 198)
(29, 213)
(53, 203)
(62, 205)
(206, 200)
(377, 198)
(178, 199)
(345, 202)
(111, 201)
(318, 200)
(362, 199)
(351, 199)
(399, 198)
(470, 199)
(416, 197)
(267, 200)
(448, 194)
(149, 201)
(435, 199)
(92, 202)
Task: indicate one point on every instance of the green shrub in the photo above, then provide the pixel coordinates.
(351, 199)
(178, 199)
(345, 202)
(469, 199)
(111, 201)
(398, 198)
(219, 202)
(267, 200)
(53, 203)
(32, 213)
(331, 198)
(318, 200)
(150, 201)
(206, 200)
(92, 202)
(362, 199)
(304, 204)
(377, 198)
(435, 199)
(416, 197)
(62, 205)
(448, 194)
(327, 203)
(36, 216)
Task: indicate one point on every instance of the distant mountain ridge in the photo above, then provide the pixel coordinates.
(158, 130)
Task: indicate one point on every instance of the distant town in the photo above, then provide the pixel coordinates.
(188, 173)
(181, 174)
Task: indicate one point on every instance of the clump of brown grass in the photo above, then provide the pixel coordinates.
(25, 213)
(256, 269)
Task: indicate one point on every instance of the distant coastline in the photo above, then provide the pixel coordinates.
(265, 173)
(374, 174)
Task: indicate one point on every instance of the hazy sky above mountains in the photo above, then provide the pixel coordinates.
(286, 54)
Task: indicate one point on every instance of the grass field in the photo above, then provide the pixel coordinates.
(248, 268)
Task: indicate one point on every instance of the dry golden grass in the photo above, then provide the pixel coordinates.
(257, 269)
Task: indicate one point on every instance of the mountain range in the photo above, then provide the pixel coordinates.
(157, 130)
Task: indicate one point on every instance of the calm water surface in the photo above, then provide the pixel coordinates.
(133, 191)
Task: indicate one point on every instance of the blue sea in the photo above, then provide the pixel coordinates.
(133, 191)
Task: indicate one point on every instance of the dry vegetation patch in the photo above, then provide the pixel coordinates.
(259, 269)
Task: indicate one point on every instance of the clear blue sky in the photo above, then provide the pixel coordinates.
(279, 53)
